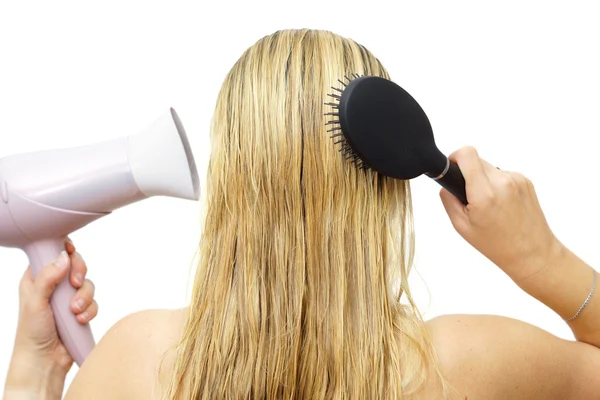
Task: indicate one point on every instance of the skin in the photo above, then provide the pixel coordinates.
(482, 356)
(40, 362)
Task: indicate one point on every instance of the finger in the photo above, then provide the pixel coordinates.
(84, 297)
(51, 275)
(26, 283)
(79, 270)
(69, 246)
(89, 314)
(470, 165)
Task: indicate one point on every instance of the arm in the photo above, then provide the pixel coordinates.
(505, 223)
(31, 378)
(563, 284)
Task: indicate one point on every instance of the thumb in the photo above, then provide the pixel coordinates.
(455, 210)
(51, 275)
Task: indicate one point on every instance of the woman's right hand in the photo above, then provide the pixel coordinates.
(503, 219)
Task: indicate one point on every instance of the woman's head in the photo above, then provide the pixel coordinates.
(293, 296)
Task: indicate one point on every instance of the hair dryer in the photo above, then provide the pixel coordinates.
(46, 195)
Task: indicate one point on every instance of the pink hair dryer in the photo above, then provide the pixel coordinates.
(44, 196)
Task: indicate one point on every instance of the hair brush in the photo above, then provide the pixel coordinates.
(381, 126)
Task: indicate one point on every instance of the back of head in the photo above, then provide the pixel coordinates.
(294, 292)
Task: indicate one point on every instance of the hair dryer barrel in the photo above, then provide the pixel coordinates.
(102, 177)
(47, 195)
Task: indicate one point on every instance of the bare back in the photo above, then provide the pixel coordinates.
(482, 356)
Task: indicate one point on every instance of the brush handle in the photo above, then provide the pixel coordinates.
(454, 182)
(77, 338)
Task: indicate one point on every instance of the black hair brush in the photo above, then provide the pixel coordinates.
(382, 127)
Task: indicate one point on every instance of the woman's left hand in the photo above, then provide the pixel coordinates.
(37, 344)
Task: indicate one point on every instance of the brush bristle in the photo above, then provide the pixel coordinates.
(338, 137)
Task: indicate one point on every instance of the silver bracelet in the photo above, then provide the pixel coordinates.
(585, 303)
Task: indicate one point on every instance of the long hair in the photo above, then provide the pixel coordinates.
(303, 258)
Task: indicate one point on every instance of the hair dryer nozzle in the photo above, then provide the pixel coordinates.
(46, 195)
(161, 160)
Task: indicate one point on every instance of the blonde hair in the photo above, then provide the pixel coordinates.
(294, 292)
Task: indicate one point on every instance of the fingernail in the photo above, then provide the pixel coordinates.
(79, 304)
(78, 278)
(83, 317)
(62, 261)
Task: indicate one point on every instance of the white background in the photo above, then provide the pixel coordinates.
(519, 80)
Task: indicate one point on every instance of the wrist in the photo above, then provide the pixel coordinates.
(563, 285)
(532, 271)
(30, 376)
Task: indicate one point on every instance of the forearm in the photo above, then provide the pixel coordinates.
(31, 379)
(563, 284)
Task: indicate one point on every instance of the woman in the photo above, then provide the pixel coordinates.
(304, 258)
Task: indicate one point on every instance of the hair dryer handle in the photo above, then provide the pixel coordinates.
(454, 182)
(77, 338)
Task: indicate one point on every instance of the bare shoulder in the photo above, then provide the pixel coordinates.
(125, 363)
(493, 357)
(482, 356)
